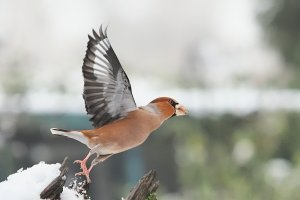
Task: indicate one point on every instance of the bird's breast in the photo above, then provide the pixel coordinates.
(126, 133)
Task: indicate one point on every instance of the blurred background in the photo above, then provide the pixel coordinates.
(234, 64)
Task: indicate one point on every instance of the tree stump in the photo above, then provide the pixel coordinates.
(55, 188)
(145, 187)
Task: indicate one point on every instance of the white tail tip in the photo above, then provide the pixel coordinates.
(76, 135)
(57, 131)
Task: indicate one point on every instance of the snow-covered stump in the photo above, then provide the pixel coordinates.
(55, 188)
(46, 181)
(28, 184)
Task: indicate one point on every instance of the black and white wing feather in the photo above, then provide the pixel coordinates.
(107, 90)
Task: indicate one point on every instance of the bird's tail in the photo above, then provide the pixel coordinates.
(76, 135)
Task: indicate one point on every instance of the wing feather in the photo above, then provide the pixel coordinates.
(107, 90)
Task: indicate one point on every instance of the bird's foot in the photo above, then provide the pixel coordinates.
(85, 172)
(82, 164)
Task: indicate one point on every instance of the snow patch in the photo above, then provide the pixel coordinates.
(28, 184)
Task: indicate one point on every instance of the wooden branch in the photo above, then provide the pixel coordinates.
(55, 188)
(146, 186)
(80, 186)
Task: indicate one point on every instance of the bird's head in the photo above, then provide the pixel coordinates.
(170, 107)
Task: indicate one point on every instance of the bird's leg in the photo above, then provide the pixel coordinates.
(82, 163)
(98, 159)
(83, 166)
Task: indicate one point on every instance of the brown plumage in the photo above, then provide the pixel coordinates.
(119, 124)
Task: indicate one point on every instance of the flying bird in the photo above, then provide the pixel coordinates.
(119, 124)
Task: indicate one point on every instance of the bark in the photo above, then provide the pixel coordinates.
(146, 186)
(55, 188)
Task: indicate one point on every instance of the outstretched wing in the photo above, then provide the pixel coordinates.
(107, 90)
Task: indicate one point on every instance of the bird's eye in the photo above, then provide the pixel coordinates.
(173, 103)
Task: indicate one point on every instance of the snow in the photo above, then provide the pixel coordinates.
(28, 184)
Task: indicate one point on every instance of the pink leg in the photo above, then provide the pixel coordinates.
(97, 160)
(85, 171)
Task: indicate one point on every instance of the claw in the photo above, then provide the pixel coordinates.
(79, 174)
(77, 161)
(85, 172)
(82, 164)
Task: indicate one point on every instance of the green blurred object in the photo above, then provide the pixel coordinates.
(282, 23)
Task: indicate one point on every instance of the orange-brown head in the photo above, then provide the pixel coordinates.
(170, 107)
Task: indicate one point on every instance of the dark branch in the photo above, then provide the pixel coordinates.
(146, 186)
(55, 188)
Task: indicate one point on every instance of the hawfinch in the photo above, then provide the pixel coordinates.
(119, 124)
